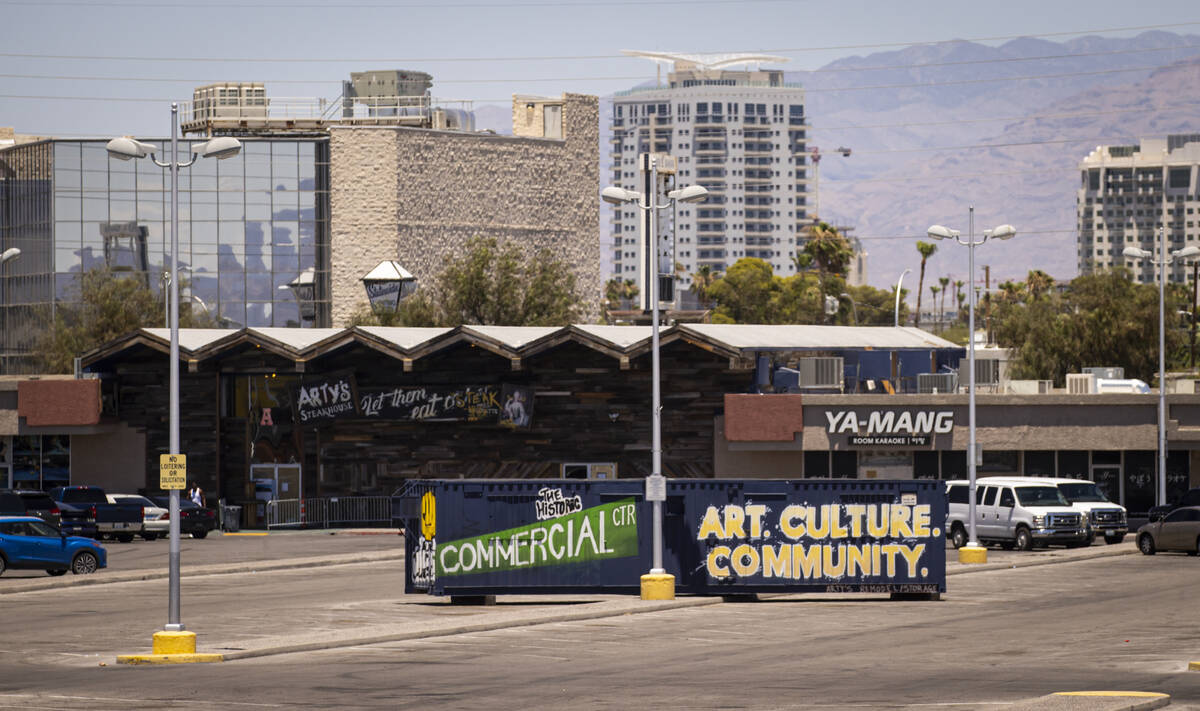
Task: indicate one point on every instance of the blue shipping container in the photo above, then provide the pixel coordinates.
(720, 537)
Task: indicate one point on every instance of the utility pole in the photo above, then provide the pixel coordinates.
(987, 290)
(1195, 273)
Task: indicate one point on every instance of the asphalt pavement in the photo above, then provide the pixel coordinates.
(223, 554)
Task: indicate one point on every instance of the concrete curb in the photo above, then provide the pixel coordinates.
(616, 609)
(1106, 552)
(101, 578)
(1094, 701)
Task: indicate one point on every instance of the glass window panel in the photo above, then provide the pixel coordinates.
(232, 206)
(67, 206)
(150, 207)
(308, 210)
(258, 315)
(95, 162)
(66, 155)
(95, 207)
(257, 235)
(258, 285)
(204, 262)
(285, 233)
(204, 206)
(286, 204)
(287, 266)
(152, 178)
(258, 205)
(67, 260)
(68, 233)
(308, 234)
(205, 286)
(204, 233)
(232, 285)
(66, 287)
(233, 314)
(230, 258)
(68, 177)
(122, 207)
(203, 183)
(230, 179)
(286, 314)
(232, 233)
(121, 175)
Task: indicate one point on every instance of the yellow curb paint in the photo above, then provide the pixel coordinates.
(1193, 666)
(174, 642)
(258, 533)
(1136, 694)
(972, 554)
(658, 587)
(169, 658)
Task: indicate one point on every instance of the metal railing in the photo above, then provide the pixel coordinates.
(330, 512)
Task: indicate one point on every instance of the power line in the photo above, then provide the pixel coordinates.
(793, 50)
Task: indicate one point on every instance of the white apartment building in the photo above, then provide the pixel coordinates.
(742, 135)
(1128, 194)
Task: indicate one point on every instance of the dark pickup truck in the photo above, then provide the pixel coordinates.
(84, 505)
(1191, 498)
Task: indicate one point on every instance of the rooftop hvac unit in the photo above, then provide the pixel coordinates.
(1107, 373)
(1031, 387)
(987, 372)
(937, 382)
(820, 372)
(240, 100)
(1081, 383)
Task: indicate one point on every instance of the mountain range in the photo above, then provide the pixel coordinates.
(935, 129)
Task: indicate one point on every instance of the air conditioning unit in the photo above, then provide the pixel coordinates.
(1107, 373)
(820, 372)
(937, 382)
(1081, 383)
(987, 372)
(1030, 387)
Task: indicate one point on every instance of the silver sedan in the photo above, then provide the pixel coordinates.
(1177, 531)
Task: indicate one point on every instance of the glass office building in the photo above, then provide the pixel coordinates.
(248, 226)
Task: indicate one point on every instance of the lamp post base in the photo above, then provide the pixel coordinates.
(972, 554)
(656, 586)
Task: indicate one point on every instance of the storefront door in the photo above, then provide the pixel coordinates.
(276, 481)
(1108, 480)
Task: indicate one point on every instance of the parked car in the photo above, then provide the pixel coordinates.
(1013, 512)
(156, 520)
(193, 519)
(1177, 531)
(1190, 498)
(28, 542)
(81, 505)
(22, 502)
(1103, 517)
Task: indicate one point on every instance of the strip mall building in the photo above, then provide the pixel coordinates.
(304, 413)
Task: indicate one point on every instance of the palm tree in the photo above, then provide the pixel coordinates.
(960, 296)
(933, 291)
(945, 282)
(703, 279)
(1037, 283)
(926, 249)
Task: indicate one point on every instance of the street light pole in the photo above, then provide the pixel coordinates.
(657, 585)
(127, 149)
(1164, 259)
(898, 283)
(972, 552)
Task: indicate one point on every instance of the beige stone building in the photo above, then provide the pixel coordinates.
(419, 195)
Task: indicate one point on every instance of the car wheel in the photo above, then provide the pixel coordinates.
(3, 564)
(199, 533)
(84, 562)
(1007, 545)
(958, 537)
(56, 573)
(1024, 540)
(1113, 540)
(1146, 544)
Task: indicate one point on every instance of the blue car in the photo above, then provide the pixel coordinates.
(29, 542)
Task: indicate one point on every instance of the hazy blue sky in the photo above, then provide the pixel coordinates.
(120, 63)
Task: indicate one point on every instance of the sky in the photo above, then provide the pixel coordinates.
(73, 68)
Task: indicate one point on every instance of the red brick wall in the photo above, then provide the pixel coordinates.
(46, 403)
(763, 418)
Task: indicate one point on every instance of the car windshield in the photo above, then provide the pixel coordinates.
(1041, 496)
(1083, 491)
(136, 500)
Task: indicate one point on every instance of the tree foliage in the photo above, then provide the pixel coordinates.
(490, 284)
(104, 305)
(1102, 319)
(926, 249)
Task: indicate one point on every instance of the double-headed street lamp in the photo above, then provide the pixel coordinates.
(1162, 262)
(972, 552)
(657, 585)
(126, 148)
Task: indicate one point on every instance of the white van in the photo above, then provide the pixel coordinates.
(1103, 517)
(1015, 512)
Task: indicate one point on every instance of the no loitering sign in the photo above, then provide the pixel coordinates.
(172, 471)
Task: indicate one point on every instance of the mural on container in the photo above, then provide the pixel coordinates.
(826, 543)
(578, 535)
